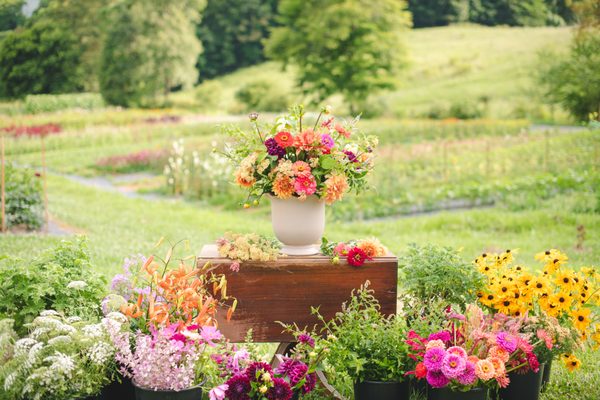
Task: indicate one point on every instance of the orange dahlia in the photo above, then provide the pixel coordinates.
(372, 247)
(306, 140)
(283, 186)
(335, 187)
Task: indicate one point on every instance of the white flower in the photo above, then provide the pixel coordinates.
(351, 147)
(58, 340)
(49, 313)
(33, 356)
(22, 346)
(79, 285)
(93, 331)
(100, 353)
(61, 363)
(73, 320)
(9, 381)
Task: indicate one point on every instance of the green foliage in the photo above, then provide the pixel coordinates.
(50, 282)
(351, 47)
(430, 271)
(232, 32)
(261, 95)
(438, 12)
(509, 12)
(151, 48)
(23, 198)
(365, 344)
(10, 14)
(44, 103)
(42, 58)
(574, 82)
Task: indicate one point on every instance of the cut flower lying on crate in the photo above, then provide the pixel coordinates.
(247, 247)
(356, 252)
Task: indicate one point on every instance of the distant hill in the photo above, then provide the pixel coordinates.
(464, 69)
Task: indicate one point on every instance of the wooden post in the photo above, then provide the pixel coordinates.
(2, 184)
(45, 182)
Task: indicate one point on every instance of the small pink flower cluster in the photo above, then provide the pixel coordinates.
(34, 130)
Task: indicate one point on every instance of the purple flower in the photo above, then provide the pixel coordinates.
(327, 141)
(280, 391)
(297, 373)
(273, 148)
(453, 365)
(238, 387)
(209, 334)
(311, 382)
(351, 156)
(306, 339)
(286, 366)
(468, 377)
(434, 358)
(437, 379)
(444, 336)
(256, 367)
(507, 342)
(121, 285)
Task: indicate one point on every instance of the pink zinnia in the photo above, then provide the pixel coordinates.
(453, 365)
(301, 168)
(459, 351)
(437, 379)
(506, 341)
(444, 336)
(468, 376)
(305, 185)
(543, 335)
(433, 359)
(484, 370)
(341, 249)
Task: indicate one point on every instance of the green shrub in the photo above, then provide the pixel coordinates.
(431, 271)
(34, 104)
(23, 198)
(209, 94)
(465, 110)
(61, 279)
(262, 96)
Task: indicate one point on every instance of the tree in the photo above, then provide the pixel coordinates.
(232, 32)
(39, 59)
(574, 82)
(438, 12)
(351, 47)
(10, 14)
(151, 48)
(509, 12)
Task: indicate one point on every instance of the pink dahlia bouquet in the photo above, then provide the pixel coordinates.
(248, 379)
(169, 358)
(471, 352)
(291, 158)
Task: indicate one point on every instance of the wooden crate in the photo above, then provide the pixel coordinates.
(284, 290)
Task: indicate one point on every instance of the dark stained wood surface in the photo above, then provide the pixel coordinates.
(284, 290)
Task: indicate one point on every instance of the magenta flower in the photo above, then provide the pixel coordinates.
(506, 341)
(209, 334)
(351, 156)
(311, 382)
(281, 390)
(444, 336)
(238, 388)
(468, 377)
(327, 141)
(273, 148)
(433, 359)
(453, 365)
(297, 373)
(306, 339)
(253, 370)
(437, 379)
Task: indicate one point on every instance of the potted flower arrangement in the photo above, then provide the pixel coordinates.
(470, 356)
(165, 346)
(301, 168)
(248, 378)
(560, 303)
(60, 358)
(369, 348)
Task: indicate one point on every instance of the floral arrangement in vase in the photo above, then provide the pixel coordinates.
(295, 162)
(566, 301)
(170, 322)
(356, 252)
(471, 352)
(250, 379)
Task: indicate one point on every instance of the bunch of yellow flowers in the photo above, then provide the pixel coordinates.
(568, 295)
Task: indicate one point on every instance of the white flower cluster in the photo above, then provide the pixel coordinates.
(93, 331)
(100, 353)
(61, 364)
(60, 340)
(22, 346)
(78, 285)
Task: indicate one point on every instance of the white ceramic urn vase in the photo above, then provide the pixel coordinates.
(298, 224)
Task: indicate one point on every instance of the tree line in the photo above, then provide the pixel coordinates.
(135, 52)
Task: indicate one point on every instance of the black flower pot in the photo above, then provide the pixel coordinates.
(371, 390)
(522, 386)
(194, 393)
(546, 375)
(123, 390)
(449, 394)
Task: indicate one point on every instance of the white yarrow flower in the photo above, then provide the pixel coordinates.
(79, 285)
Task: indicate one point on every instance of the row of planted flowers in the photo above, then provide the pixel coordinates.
(158, 333)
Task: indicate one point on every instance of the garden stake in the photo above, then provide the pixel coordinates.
(44, 173)
(2, 189)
